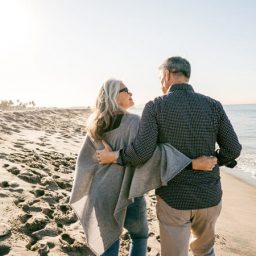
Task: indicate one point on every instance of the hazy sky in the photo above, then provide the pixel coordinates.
(59, 52)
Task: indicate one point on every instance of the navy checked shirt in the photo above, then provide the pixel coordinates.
(194, 124)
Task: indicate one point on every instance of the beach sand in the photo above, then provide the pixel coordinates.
(38, 149)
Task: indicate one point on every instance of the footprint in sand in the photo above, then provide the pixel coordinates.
(3, 156)
(43, 138)
(37, 227)
(14, 170)
(49, 183)
(48, 212)
(64, 184)
(5, 233)
(4, 194)
(29, 177)
(15, 130)
(5, 230)
(67, 136)
(220, 239)
(43, 249)
(65, 238)
(5, 128)
(33, 224)
(4, 249)
(9, 187)
(66, 218)
(16, 190)
(25, 217)
(38, 192)
(19, 144)
(72, 246)
(30, 208)
(4, 184)
(51, 229)
(27, 126)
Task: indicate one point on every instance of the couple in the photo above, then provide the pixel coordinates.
(154, 153)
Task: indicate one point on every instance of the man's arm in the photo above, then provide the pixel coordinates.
(144, 144)
(230, 148)
(202, 163)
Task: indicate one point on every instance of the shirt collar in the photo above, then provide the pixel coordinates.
(182, 86)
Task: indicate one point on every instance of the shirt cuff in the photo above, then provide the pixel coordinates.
(231, 164)
(189, 166)
(119, 160)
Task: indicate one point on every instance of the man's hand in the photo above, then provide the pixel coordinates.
(107, 155)
(204, 163)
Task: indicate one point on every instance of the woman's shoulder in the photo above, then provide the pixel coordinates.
(130, 117)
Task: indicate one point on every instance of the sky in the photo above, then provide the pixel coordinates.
(59, 52)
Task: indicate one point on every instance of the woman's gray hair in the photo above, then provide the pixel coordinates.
(106, 106)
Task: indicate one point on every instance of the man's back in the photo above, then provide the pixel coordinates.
(193, 123)
(188, 120)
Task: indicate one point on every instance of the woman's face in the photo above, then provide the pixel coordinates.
(124, 97)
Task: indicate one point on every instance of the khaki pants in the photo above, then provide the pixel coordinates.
(177, 225)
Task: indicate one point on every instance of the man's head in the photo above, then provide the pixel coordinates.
(174, 70)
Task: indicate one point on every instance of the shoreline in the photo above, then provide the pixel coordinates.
(245, 177)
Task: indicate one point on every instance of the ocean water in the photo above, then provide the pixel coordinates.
(243, 119)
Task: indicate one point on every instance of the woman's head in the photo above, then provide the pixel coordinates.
(124, 98)
(113, 98)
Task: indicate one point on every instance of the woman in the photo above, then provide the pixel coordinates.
(101, 194)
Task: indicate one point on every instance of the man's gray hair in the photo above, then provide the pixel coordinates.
(177, 65)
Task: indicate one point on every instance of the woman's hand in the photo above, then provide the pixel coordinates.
(204, 163)
(106, 155)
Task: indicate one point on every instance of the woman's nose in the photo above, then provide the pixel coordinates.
(130, 93)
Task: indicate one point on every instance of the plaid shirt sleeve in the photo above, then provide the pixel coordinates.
(229, 146)
(145, 142)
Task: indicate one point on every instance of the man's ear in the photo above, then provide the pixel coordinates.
(167, 74)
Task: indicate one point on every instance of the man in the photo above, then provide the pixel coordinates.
(192, 123)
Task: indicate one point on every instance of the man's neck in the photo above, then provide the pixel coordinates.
(178, 81)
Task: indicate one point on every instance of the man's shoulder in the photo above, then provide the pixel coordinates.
(156, 101)
(208, 99)
(155, 104)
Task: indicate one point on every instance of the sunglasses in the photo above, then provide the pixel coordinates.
(125, 89)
